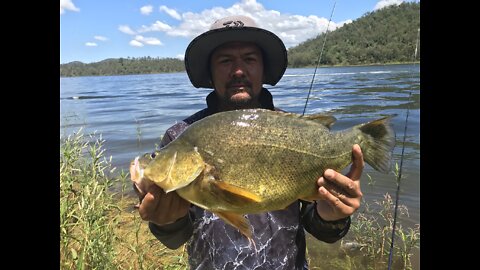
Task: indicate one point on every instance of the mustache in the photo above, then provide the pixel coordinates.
(239, 81)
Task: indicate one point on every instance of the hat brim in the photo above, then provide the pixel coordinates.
(199, 50)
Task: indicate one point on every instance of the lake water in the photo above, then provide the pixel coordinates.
(132, 113)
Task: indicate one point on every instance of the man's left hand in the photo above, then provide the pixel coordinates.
(340, 195)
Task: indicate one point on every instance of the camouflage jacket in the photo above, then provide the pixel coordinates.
(279, 235)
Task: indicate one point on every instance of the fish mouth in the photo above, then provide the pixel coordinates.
(135, 170)
(136, 175)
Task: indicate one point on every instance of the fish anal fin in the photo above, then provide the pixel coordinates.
(234, 194)
(236, 220)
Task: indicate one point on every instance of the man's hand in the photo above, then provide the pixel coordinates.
(161, 208)
(340, 195)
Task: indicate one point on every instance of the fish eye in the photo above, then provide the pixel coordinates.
(153, 155)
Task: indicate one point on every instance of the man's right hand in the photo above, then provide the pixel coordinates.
(161, 208)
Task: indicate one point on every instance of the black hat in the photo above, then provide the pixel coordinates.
(229, 29)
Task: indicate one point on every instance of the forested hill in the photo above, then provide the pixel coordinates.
(122, 66)
(385, 36)
(388, 35)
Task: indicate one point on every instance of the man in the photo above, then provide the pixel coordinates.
(236, 58)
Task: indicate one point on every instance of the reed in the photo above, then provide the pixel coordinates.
(371, 233)
(99, 228)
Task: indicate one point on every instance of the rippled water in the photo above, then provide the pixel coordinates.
(132, 112)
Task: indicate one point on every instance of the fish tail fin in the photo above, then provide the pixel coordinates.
(380, 141)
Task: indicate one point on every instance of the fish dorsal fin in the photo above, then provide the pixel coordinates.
(234, 194)
(172, 170)
(326, 120)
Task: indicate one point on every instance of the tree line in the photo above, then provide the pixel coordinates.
(122, 66)
(388, 35)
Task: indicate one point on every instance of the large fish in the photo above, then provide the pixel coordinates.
(249, 161)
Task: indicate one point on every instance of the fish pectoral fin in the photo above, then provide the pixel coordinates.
(234, 194)
(236, 220)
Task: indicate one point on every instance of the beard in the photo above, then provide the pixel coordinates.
(239, 97)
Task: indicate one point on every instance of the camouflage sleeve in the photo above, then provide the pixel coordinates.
(327, 231)
(166, 139)
(175, 234)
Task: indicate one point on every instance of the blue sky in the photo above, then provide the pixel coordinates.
(94, 30)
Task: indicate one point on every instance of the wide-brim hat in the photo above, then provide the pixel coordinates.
(229, 29)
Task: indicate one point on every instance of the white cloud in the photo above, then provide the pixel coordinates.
(67, 5)
(136, 43)
(101, 38)
(292, 29)
(180, 56)
(126, 29)
(385, 3)
(146, 10)
(91, 44)
(157, 26)
(172, 12)
(141, 41)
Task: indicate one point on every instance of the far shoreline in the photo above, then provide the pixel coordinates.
(321, 66)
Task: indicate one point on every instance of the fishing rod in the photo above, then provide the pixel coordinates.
(399, 176)
(319, 58)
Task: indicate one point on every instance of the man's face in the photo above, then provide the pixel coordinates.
(237, 75)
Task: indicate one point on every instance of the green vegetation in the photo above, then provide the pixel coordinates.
(372, 231)
(386, 36)
(101, 229)
(367, 244)
(122, 66)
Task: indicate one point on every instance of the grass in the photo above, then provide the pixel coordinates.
(367, 244)
(372, 232)
(100, 229)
